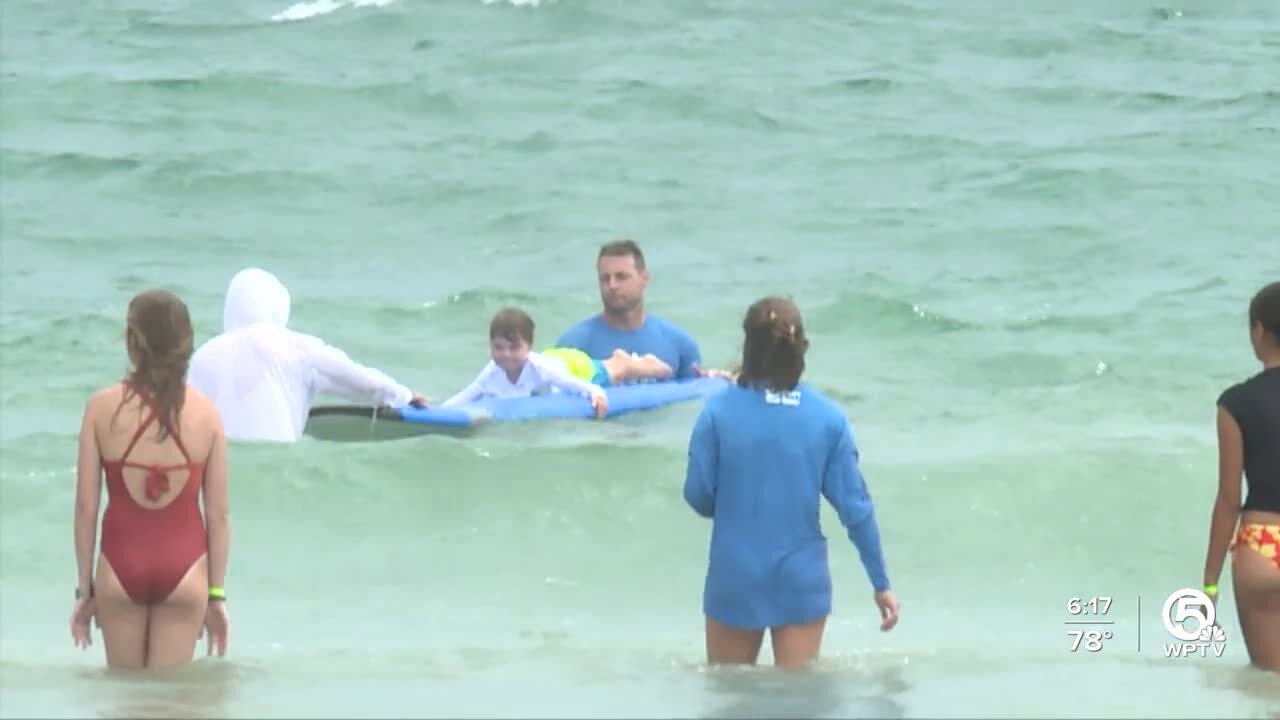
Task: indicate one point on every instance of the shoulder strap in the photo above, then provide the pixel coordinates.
(138, 435)
(177, 440)
(146, 400)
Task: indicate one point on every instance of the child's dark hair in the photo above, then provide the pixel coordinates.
(774, 345)
(1265, 310)
(512, 325)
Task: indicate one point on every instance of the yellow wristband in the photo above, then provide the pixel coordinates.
(217, 592)
(1210, 589)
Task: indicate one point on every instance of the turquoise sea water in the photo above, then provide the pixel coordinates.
(1023, 237)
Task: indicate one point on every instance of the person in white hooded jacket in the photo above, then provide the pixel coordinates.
(263, 377)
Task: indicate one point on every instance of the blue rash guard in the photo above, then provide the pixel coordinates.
(672, 345)
(758, 461)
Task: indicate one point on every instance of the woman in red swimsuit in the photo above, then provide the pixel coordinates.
(159, 445)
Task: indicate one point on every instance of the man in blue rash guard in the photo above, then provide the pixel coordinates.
(760, 454)
(624, 324)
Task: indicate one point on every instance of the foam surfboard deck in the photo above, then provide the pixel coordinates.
(359, 423)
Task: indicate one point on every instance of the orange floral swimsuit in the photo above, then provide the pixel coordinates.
(1262, 539)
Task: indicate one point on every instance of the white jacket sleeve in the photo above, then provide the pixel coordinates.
(336, 373)
(475, 390)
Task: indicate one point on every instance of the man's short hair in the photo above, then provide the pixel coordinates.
(623, 248)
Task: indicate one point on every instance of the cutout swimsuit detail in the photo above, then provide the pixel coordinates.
(152, 549)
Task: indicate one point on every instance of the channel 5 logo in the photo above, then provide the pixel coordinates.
(1191, 606)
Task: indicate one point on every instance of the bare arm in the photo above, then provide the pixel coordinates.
(217, 511)
(88, 496)
(1226, 508)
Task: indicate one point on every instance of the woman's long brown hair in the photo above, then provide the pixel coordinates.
(160, 342)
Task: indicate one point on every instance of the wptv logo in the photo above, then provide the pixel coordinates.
(1189, 616)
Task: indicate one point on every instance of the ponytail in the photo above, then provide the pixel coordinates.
(774, 346)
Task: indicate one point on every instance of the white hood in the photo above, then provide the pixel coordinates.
(255, 296)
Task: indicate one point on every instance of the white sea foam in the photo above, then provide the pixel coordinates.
(520, 3)
(316, 8)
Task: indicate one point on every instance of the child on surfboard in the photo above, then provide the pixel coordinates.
(515, 370)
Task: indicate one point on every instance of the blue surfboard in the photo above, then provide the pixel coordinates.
(360, 423)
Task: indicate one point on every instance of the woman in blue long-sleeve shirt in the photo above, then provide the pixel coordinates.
(760, 456)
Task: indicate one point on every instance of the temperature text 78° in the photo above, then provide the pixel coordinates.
(1090, 640)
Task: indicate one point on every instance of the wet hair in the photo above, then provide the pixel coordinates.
(1264, 310)
(623, 248)
(512, 325)
(159, 339)
(774, 345)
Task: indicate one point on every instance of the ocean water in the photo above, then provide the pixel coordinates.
(1023, 235)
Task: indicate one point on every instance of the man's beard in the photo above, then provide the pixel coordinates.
(619, 309)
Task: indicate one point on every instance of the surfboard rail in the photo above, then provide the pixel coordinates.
(357, 423)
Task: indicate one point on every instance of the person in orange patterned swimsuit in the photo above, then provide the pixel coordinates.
(1249, 443)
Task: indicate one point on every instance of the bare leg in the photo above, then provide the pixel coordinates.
(795, 646)
(1256, 582)
(123, 622)
(176, 623)
(731, 646)
(624, 367)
